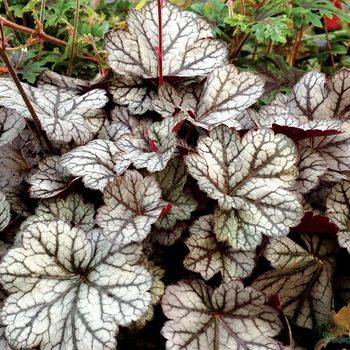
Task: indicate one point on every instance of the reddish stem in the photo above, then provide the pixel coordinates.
(160, 43)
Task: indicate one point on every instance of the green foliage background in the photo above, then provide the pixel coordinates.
(261, 35)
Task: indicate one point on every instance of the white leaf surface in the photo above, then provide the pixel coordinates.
(338, 210)
(132, 204)
(71, 209)
(302, 277)
(11, 124)
(49, 179)
(189, 48)
(93, 162)
(172, 181)
(229, 317)
(311, 167)
(121, 123)
(64, 117)
(226, 94)
(149, 147)
(5, 214)
(134, 93)
(250, 178)
(69, 291)
(208, 256)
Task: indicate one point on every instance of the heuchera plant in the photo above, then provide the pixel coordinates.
(168, 185)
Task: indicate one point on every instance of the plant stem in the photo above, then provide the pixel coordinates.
(41, 36)
(242, 7)
(12, 18)
(32, 32)
(26, 100)
(74, 41)
(160, 43)
(329, 46)
(294, 52)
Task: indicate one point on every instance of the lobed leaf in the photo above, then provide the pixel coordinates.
(229, 317)
(132, 204)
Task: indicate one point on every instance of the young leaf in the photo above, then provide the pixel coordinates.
(64, 117)
(338, 210)
(147, 146)
(302, 277)
(250, 178)
(121, 123)
(11, 124)
(229, 317)
(93, 162)
(208, 256)
(71, 290)
(49, 179)
(134, 93)
(189, 48)
(132, 204)
(5, 214)
(172, 181)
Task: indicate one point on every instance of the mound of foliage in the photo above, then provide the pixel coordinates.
(167, 206)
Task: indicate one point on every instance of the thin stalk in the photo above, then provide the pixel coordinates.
(26, 100)
(294, 52)
(74, 41)
(41, 35)
(329, 46)
(242, 7)
(12, 18)
(160, 43)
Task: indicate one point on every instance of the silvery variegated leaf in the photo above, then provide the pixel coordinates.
(226, 94)
(282, 119)
(251, 179)
(157, 291)
(334, 149)
(229, 317)
(11, 124)
(149, 146)
(71, 209)
(50, 80)
(317, 97)
(208, 256)
(121, 123)
(309, 96)
(168, 237)
(49, 179)
(189, 48)
(92, 162)
(64, 117)
(338, 210)
(132, 204)
(170, 100)
(311, 167)
(14, 167)
(302, 277)
(5, 213)
(134, 93)
(172, 181)
(14, 195)
(339, 96)
(68, 290)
